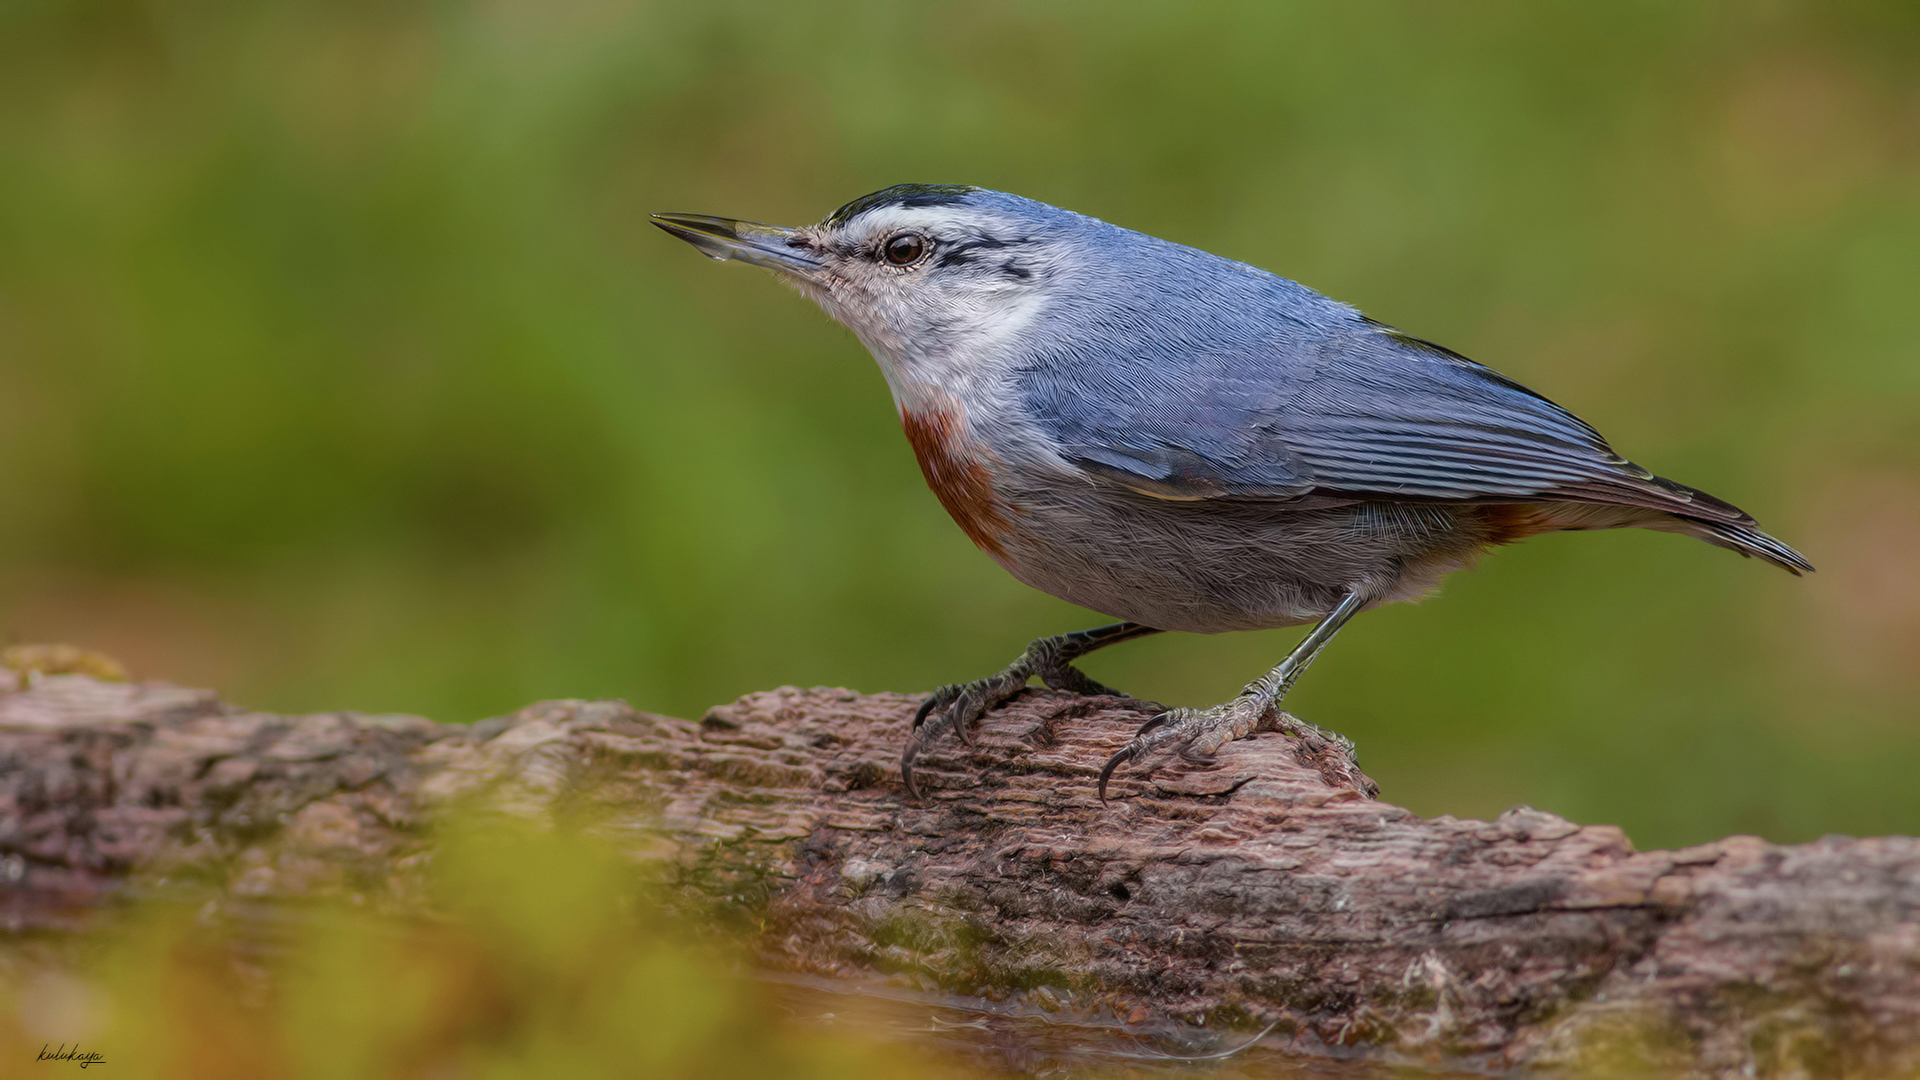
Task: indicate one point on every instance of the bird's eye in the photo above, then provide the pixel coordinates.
(905, 249)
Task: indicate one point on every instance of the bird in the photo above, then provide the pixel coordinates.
(1185, 442)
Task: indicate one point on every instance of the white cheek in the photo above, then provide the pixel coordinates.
(958, 345)
(928, 340)
(876, 321)
(989, 321)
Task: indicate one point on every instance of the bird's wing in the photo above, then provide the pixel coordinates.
(1363, 411)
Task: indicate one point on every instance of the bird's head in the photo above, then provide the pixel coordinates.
(935, 279)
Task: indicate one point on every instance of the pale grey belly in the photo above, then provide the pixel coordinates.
(1217, 565)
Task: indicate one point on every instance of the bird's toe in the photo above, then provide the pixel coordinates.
(1061, 675)
(957, 707)
(1196, 734)
(938, 700)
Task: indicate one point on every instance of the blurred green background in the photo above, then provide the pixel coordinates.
(340, 368)
(548, 954)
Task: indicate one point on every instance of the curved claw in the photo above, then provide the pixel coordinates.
(939, 699)
(1151, 724)
(906, 768)
(960, 706)
(1129, 752)
(1114, 762)
(960, 722)
(942, 709)
(1049, 659)
(941, 702)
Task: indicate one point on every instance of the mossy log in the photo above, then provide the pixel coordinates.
(1265, 891)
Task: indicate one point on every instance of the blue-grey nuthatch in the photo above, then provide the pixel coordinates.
(1186, 442)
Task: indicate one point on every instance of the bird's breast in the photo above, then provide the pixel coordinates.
(958, 470)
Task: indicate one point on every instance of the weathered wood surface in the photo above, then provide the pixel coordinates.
(1264, 889)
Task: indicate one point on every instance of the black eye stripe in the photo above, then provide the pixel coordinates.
(961, 252)
(910, 247)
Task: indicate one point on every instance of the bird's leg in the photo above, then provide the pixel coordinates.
(1200, 733)
(1050, 659)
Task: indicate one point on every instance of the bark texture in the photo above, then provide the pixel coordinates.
(1267, 889)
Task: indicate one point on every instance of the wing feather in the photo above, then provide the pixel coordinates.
(1364, 411)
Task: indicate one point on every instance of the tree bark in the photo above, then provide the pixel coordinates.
(1267, 890)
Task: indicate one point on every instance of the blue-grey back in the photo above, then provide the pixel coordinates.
(1175, 369)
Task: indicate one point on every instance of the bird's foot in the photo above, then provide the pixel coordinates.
(962, 705)
(1198, 734)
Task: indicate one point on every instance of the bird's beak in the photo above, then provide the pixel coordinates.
(771, 246)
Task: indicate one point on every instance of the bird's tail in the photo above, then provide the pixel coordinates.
(1726, 525)
(1655, 503)
(1747, 539)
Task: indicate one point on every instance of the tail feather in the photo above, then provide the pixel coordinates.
(1744, 538)
(1657, 503)
(1720, 522)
